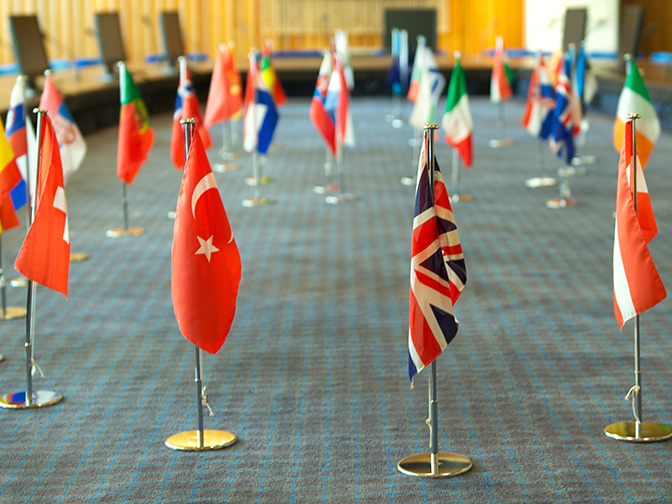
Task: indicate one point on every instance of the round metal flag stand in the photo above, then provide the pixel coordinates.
(30, 398)
(200, 439)
(565, 198)
(328, 173)
(256, 181)
(126, 231)
(637, 431)
(502, 141)
(340, 195)
(433, 464)
(225, 152)
(456, 197)
(542, 180)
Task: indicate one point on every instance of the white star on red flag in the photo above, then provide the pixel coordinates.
(207, 247)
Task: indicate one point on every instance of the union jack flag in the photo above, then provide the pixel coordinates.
(438, 270)
(566, 117)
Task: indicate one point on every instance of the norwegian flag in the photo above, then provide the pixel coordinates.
(438, 271)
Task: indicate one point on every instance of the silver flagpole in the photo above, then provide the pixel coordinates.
(30, 398)
(434, 464)
(637, 431)
(200, 439)
(415, 141)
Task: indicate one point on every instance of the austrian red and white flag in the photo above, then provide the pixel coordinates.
(637, 285)
(45, 254)
(205, 259)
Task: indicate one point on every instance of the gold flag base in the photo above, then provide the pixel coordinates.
(502, 142)
(457, 198)
(224, 167)
(78, 257)
(40, 398)
(252, 202)
(447, 464)
(254, 181)
(648, 432)
(212, 440)
(535, 182)
(12, 312)
(556, 203)
(117, 232)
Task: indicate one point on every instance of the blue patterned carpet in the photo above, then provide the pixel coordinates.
(313, 378)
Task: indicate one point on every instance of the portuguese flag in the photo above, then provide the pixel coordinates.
(135, 135)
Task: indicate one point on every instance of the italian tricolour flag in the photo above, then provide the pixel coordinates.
(456, 120)
(635, 99)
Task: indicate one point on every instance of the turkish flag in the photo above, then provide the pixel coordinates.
(45, 254)
(205, 259)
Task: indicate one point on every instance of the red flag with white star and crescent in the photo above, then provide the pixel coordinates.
(206, 264)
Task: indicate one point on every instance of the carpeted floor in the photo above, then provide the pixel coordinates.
(313, 376)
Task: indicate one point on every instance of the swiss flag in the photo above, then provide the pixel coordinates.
(205, 259)
(45, 254)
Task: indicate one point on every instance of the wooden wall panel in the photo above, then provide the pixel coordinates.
(468, 26)
(656, 35)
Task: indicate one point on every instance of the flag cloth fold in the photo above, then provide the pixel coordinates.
(205, 262)
(219, 106)
(634, 98)
(438, 271)
(538, 115)
(270, 77)
(337, 104)
(637, 284)
(563, 127)
(71, 142)
(135, 134)
(186, 107)
(323, 120)
(8, 218)
(45, 254)
(500, 87)
(10, 175)
(261, 116)
(21, 137)
(456, 121)
(431, 86)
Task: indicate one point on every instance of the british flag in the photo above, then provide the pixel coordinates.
(438, 270)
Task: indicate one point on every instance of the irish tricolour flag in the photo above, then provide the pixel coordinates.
(635, 99)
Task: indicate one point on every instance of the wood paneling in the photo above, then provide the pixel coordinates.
(656, 35)
(464, 25)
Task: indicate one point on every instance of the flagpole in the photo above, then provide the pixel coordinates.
(328, 159)
(637, 431)
(256, 180)
(31, 398)
(434, 464)
(542, 180)
(225, 152)
(455, 180)
(410, 181)
(200, 439)
(502, 141)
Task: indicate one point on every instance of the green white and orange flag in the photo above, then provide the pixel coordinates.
(456, 121)
(135, 135)
(635, 99)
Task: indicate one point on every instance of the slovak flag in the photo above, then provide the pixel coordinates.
(324, 121)
(337, 104)
(45, 254)
(438, 270)
(186, 107)
(70, 140)
(205, 262)
(21, 137)
(261, 116)
(538, 116)
(637, 284)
